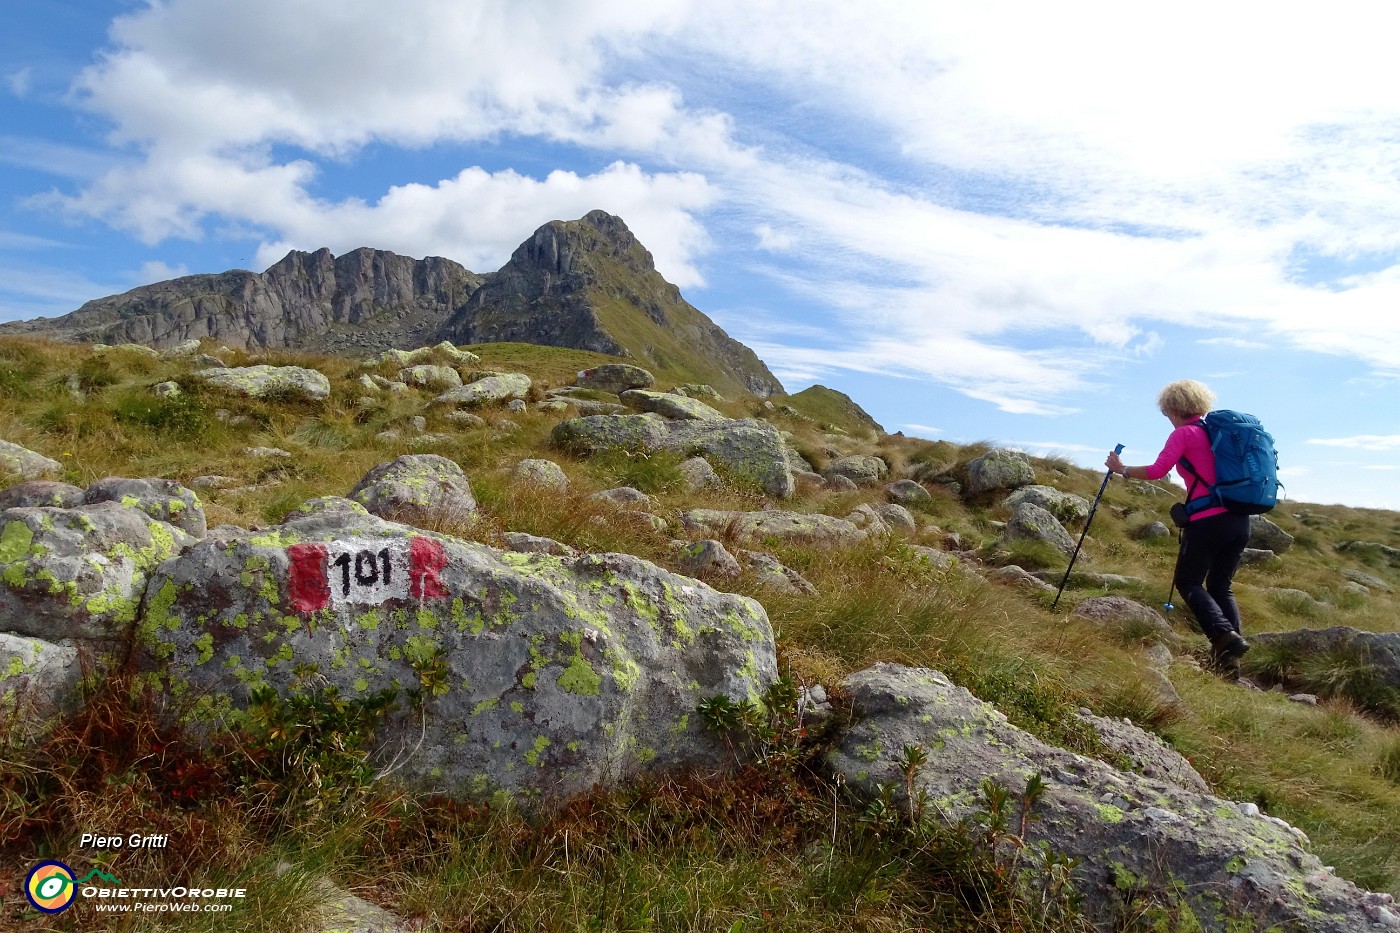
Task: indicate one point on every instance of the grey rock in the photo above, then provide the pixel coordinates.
(841, 483)
(615, 378)
(39, 682)
(465, 419)
(675, 407)
(1153, 531)
(495, 387)
(1306, 699)
(263, 381)
(1390, 554)
(1150, 756)
(1090, 811)
(1032, 523)
(697, 474)
(896, 517)
(1352, 574)
(39, 492)
(205, 361)
(789, 527)
(128, 347)
(79, 573)
(181, 350)
(1122, 613)
(868, 520)
(998, 469)
(166, 389)
(162, 499)
(859, 469)
(551, 674)
(622, 495)
(418, 489)
(770, 572)
(1254, 557)
(1378, 652)
(21, 461)
(748, 448)
(534, 544)
(1019, 577)
(907, 492)
(939, 560)
(428, 376)
(266, 453)
(544, 473)
(698, 391)
(553, 405)
(1267, 536)
(515, 405)
(442, 353)
(707, 559)
(1065, 506)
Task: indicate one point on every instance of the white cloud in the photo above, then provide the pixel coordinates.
(922, 430)
(1235, 343)
(157, 271)
(1361, 442)
(19, 81)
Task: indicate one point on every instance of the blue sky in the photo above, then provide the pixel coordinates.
(1006, 221)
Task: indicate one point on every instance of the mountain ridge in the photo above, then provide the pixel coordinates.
(587, 284)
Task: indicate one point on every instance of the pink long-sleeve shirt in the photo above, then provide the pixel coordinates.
(1189, 441)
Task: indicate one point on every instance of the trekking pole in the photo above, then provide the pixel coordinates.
(1102, 486)
(1180, 549)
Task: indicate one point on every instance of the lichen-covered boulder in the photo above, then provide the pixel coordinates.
(1343, 646)
(487, 389)
(545, 473)
(1266, 536)
(907, 492)
(1032, 523)
(675, 407)
(998, 469)
(1150, 756)
(692, 390)
(615, 378)
(162, 499)
(263, 381)
(1225, 860)
(79, 573)
(788, 527)
(1065, 506)
(697, 474)
(443, 352)
(21, 461)
(39, 681)
(896, 517)
(539, 676)
(707, 558)
(859, 469)
(1126, 615)
(428, 376)
(770, 572)
(418, 489)
(749, 449)
(39, 492)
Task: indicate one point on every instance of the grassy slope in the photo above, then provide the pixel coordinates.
(702, 858)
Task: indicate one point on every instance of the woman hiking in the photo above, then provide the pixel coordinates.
(1213, 537)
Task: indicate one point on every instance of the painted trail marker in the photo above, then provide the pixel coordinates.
(370, 571)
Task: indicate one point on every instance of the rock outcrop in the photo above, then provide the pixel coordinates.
(1131, 833)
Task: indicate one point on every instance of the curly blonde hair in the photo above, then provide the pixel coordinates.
(1186, 398)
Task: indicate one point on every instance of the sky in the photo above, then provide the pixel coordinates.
(1000, 221)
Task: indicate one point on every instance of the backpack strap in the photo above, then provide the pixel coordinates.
(1207, 499)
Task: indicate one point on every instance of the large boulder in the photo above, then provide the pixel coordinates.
(1266, 536)
(1229, 864)
(487, 389)
(668, 405)
(25, 463)
(263, 381)
(1032, 523)
(615, 378)
(1378, 651)
(428, 376)
(749, 449)
(443, 352)
(39, 681)
(1065, 506)
(860, 469)
(788, 527)
(79, 573)
(540, 675)
(419, 489)
(39, 492)
(543, 473)
(1127, 616)
(161, 499)
(998, 469)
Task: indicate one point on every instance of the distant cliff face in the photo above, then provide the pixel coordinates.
(367, 299)
(586, 284)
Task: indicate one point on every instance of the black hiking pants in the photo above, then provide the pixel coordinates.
(1210, 554)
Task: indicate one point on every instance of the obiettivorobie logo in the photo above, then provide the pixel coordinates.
(51, 887)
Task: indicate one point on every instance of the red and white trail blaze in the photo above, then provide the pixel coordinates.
(369, 571)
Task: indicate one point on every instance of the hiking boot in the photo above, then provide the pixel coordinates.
(1225, 654)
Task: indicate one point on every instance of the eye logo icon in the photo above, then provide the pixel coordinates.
(50, 887)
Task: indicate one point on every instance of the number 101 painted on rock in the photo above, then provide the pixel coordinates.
(370, 571)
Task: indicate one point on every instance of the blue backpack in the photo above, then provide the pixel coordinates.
(1246, 465)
